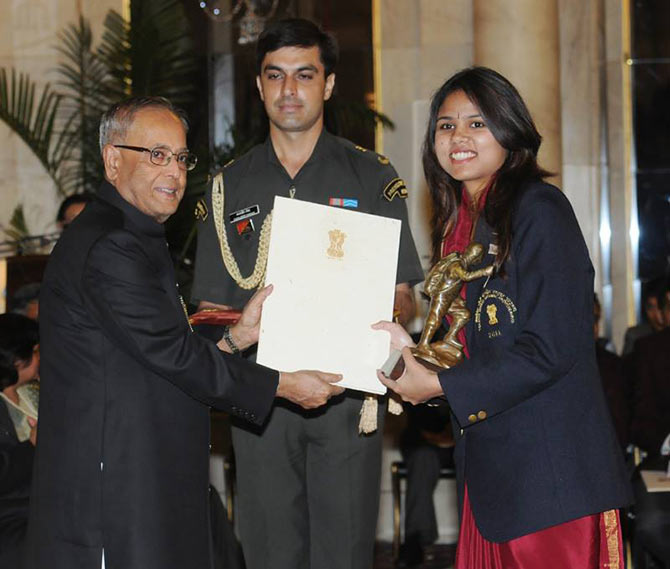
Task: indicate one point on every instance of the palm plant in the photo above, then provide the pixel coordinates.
(17, 229)
(151, 54)
(35, 123)
(83, 79)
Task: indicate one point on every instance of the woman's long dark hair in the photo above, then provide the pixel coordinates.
(508, 119)
(18, 337)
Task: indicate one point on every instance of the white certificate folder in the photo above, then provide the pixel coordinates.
(334, 273)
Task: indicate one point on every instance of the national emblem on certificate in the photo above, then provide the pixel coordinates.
(333, 273)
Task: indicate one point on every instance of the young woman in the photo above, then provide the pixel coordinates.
(539, 469)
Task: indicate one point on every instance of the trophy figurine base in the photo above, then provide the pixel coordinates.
(429, 362)
(442, 355)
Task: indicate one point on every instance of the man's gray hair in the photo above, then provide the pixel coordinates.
(117, 119)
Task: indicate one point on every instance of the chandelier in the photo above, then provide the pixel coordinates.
(249, 15)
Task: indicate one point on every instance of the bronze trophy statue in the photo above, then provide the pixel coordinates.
(443, 285)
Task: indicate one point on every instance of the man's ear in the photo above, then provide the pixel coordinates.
(330, 85)
(111, 158)
(259, 86)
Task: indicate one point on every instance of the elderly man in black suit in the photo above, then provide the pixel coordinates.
(121, 473)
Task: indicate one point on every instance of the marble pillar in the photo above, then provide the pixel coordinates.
(622, 201)
(418, 45)
(584, 167)
(597, 135)
(222, 83)
(520, 40)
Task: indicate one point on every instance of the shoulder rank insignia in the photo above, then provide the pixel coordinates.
(201, 212)
(229, 162)
(382, 159)
(395, 187)
(361, 148)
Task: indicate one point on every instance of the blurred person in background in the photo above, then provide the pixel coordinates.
(26, 301)
(19, 364)
(71, 207)
(652, 299)
(650, 431)
(427, 446)
(617, 391)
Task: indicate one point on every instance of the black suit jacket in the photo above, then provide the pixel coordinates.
(122, 458)
(537, 446)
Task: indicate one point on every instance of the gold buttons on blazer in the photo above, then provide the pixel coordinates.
(480, 416)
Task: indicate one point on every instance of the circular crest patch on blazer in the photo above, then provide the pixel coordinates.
(495, 312)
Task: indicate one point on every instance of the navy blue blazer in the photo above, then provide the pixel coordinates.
(534, 439)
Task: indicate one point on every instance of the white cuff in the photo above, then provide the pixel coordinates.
(665, 447)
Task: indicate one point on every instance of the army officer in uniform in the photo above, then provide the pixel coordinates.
(308, 482)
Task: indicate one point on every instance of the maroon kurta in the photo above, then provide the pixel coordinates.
(591, 542)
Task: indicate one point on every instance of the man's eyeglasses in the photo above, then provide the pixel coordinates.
(161, 156)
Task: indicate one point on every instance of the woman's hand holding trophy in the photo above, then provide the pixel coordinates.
(414, 375)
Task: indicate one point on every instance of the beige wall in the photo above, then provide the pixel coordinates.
(28, 34)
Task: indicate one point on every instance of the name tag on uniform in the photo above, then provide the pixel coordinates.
(244, 213)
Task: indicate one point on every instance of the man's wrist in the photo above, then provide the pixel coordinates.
(230, 341)
(284, 377)
(242, 336)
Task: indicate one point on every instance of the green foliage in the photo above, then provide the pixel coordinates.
(151, 55)
(83, 78)
(17, 229)
(35, 122)
(241, 142)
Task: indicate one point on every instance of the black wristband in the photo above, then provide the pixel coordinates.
(228, 338)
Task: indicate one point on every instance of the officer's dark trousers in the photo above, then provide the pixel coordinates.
(424, 462)
(308, 488)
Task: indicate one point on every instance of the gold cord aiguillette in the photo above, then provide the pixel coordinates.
(257, 278)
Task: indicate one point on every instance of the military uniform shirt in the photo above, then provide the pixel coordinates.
(337, 173)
